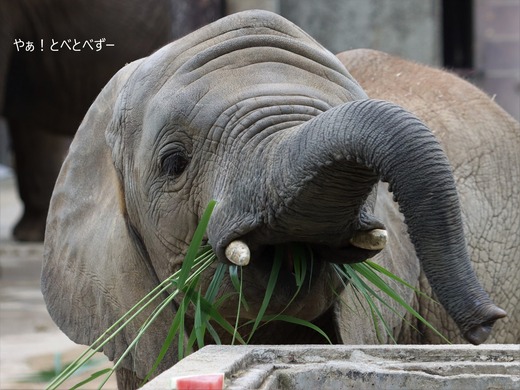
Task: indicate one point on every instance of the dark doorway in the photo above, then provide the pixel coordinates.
(457, 19)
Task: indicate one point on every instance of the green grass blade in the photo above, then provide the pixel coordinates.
(297, 321)
(298, 254)
(233, 273)
(347, 284)
(371, 276)
(299, 260)
(180, 278)
(392, 276)
(177, 323)
(377, 316)
(112, 331)
(181, 314)
(389, 274)
(213, 333)
(196, 241)
(213, 313)
(201, 317)
(194, 257)
(360, 287)
(237, 284)
(94, 376)
(273, 277)
(299, 263)
(367, 293)
(384, 302)
(199, 327)
(216, 282)
(142, 330)
(108, 335)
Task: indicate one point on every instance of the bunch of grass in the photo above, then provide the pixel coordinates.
(364, 278)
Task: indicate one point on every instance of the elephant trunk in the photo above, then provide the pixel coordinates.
(318, 189)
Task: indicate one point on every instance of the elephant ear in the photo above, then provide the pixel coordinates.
(93, 270)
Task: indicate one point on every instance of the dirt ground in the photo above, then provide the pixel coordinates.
(30, 343)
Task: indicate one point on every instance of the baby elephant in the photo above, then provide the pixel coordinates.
(252, 112)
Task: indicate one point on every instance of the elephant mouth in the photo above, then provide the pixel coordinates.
(302, 271)
(303, 264)
(294, 254)
(361, 246)
(304, 256)
(348, 254)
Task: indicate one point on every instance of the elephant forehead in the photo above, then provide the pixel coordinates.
(226, 35)
(238, 61)
(250, 49)
(239, 41)
(202, 102)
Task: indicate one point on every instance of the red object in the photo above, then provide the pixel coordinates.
(199, 382)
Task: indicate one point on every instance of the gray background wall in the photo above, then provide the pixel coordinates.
(413, 29)
(409, 28)
(497, 51)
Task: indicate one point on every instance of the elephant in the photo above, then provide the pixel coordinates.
(47, 81)
(252, 112)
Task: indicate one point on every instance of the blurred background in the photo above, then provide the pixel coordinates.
(478, 39)
(45, 94)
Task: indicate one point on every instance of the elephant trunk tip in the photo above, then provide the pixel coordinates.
(479, 333)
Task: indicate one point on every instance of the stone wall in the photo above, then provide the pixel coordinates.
(353, 367)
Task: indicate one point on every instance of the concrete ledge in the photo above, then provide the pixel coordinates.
(354, 367)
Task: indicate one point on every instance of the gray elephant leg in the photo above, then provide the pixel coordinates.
(127, 379)
(38, 159)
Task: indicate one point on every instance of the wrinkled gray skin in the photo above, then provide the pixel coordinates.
(45, 94)
(482, 143)
(254, 113)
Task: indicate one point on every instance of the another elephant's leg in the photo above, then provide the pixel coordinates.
(127, 380)
(38, 159)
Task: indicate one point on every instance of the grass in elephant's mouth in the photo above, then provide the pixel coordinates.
(364, 278)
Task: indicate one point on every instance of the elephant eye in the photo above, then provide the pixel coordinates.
(174, 163)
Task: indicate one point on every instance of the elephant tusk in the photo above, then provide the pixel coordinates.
(238, 253)
(373, 240)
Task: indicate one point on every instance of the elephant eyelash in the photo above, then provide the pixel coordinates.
(174, 164)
